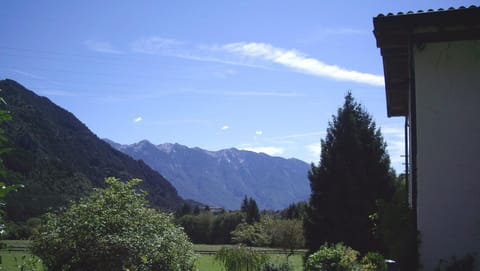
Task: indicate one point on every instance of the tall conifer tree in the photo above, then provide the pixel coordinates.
(353, 174)
(250, 208)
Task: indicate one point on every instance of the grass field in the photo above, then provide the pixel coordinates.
(15, 254)
(205, 261)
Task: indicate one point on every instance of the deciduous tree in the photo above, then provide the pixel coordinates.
(112, 230)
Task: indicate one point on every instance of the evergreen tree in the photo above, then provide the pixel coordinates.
(196, 210)
(244, 206)
(253, 214)
(354, 172)
(185, 210)
(250, 208)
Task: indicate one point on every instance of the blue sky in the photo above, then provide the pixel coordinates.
(256, 75)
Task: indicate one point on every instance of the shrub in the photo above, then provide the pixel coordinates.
(336, 257)
(241, 258)
(373, 261)
(112, 230)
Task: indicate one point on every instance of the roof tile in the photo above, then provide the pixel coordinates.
(425, 11)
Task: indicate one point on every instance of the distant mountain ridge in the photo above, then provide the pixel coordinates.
(222, 178)
(58, 158)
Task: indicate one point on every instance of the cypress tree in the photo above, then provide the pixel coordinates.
(353, 174)
(250, 208)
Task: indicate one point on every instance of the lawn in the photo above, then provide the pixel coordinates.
(205, 261)
(13, 261)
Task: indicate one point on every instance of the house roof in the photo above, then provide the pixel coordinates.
(397, 33)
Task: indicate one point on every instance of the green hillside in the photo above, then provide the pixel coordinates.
(57, 158)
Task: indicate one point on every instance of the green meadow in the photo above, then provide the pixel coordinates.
(16, 254)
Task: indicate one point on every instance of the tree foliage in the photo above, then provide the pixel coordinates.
(353, 174)
(208, 228)
(250, 208)
(198, 227)
(394, 224)
(295, 211)
(336, 257)
(4, 188)
(288, 235)
(373, 261)
(112, 229)
(58, 159)
(339, 257)
(251, 235)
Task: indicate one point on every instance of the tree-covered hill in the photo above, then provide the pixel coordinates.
(58, 158)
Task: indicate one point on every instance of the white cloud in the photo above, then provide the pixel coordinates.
(394, 135)
(266, 149)
(396, 150)
(259, 132)
(225, 127)
(138, 119)
(315, 149)
(101, 46)
(392, 131)
(253, 54)
(298, 61)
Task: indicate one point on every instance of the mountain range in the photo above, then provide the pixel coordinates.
(57, 158)
(223, 178)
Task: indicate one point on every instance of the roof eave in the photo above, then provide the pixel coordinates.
(395, 34)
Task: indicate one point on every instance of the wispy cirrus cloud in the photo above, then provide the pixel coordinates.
(28, 74)
(137, 119)
(255, 55)
(225, 127)
(301, 62)
(185, 50)
(157, 45)
(101, 47)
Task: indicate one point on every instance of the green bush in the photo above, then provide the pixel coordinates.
(373, 261)
(241, 258)
(112, 230)
(336, 257)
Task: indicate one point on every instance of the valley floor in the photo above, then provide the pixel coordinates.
(16, 254)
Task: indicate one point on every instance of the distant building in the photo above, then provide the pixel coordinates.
(431, 64)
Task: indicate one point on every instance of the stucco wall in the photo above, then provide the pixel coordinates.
(447, 77)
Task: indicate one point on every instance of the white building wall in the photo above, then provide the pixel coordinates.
(447, 77)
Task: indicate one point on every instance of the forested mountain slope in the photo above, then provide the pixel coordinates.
(58, 158)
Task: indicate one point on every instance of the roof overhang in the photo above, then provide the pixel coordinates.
(396, 35)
